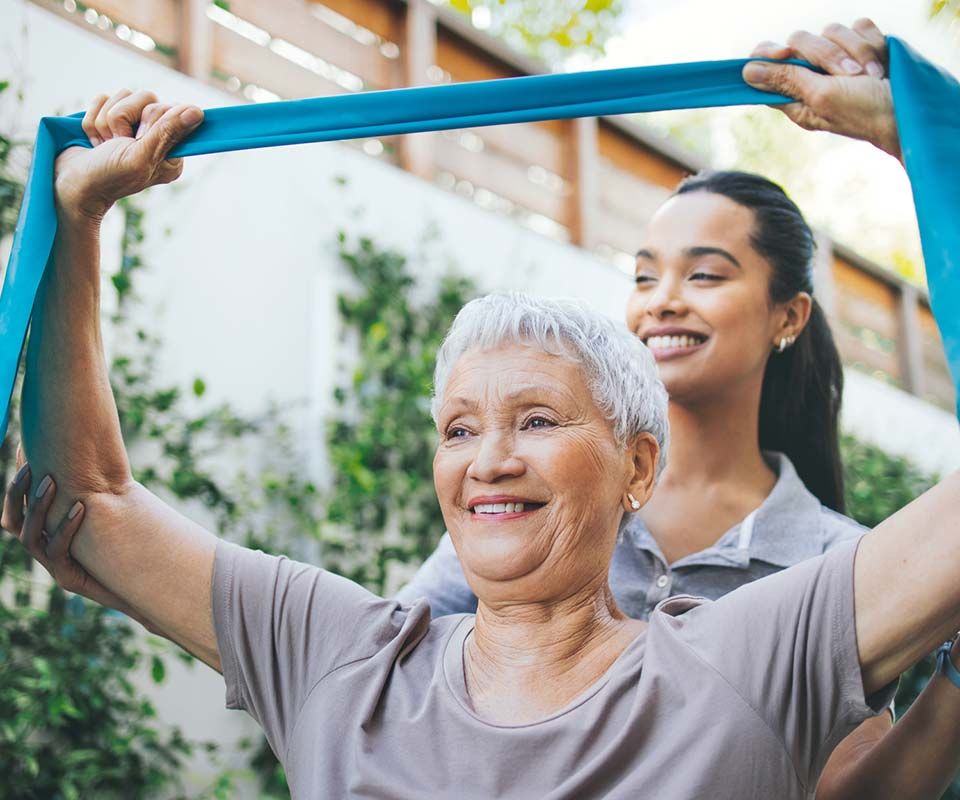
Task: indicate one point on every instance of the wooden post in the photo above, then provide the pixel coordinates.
(824, 283)
(910, 346)
(195, 48)
(419, 53)
(584, 177)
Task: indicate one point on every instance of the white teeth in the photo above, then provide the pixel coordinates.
(672, 342)
(498, 508)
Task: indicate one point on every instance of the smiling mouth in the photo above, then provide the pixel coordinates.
(504, 510)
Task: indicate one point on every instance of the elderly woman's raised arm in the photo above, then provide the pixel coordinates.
(156, 560)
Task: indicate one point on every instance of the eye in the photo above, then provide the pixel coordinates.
(456, 432)
(641, 280)
(706, 276)
(538, 423)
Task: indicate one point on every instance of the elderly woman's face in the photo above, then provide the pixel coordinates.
(528, 472)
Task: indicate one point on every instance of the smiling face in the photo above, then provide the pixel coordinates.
(702, 297)
(529, 474)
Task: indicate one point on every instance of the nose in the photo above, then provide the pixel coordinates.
(495, 458)
(666, 300)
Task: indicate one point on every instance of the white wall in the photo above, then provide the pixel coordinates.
(243, 291)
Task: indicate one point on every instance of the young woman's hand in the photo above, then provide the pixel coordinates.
(852, 99)
(25, 515)
(132, 134)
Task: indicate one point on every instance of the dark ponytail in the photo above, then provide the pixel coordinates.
(802, 386)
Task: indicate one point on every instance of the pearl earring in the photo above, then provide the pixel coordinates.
(634, 503)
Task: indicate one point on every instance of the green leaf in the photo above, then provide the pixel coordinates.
(158, 670)
(199, 387)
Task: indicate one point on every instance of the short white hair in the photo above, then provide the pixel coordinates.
(620, 371)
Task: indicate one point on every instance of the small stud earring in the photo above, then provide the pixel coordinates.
(634, 503)
(783, 345)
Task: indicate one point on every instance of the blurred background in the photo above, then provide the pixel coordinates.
(271, 319)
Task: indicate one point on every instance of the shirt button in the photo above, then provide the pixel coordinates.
(662, 581)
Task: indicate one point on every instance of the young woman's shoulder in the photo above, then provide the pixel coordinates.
(838, 528)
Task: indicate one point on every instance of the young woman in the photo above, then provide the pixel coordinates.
(723, 299)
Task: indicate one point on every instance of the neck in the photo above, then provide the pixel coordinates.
(717, 439)
(525, 660)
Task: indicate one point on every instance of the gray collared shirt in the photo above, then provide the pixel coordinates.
(790, 526)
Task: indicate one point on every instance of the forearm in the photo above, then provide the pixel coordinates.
(71, 429)
(916, 760)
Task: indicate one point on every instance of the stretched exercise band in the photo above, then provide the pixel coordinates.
(926, 100)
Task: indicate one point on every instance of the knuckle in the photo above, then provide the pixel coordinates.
(834, 29)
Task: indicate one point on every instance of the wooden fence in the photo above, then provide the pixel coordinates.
(592, 182)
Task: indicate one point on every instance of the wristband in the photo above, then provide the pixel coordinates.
(945, 665)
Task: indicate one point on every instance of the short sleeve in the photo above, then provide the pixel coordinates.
(282, 626)
(441, 581)
(788, 645)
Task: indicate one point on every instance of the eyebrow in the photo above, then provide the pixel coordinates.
(469, 404)
(696, 252)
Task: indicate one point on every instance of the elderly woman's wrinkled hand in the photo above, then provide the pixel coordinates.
(132, 134)
(852, 99)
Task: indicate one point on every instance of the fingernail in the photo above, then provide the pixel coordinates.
(191, 116)
(44, 485)
(21, 474)
(756, 73)
(850, 66)
(75, 509)
(874, 70)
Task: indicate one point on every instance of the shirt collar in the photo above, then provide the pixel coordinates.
(784, 530)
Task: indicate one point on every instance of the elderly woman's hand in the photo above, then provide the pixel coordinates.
(132, 134)
(853, 98)
(25, 515)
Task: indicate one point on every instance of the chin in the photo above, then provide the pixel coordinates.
(499, 558)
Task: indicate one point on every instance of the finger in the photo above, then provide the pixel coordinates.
(824, 53)
(172, 127)
(58, 550)
(772, 50)
(857, 47)
(89, 119)
(100, 121)
(799, 83)
(124, 117)
(869, 31)
(151, 114)
(31, 535)
(12, 518)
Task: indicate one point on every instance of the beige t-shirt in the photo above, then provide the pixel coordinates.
(742, 697)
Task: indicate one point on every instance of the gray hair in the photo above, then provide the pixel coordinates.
(620, 371)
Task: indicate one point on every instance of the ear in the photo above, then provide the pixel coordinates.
(644, 457)
(796, 315)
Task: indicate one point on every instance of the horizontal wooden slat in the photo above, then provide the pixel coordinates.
(634, 158)
(627, 196)
(251, 63)
(159, 19)
(499, 175)
(291, 20)
(530, 143)
(465, 62)
(378, 16)
(860, 312)
(853, 281)
(858, 353)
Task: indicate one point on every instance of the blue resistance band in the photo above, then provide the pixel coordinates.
(927, 104)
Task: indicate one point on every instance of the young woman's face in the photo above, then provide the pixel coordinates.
(701, 301)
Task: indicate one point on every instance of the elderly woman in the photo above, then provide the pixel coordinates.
(551, 424)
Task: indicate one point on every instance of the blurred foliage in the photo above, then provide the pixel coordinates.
(877, 486)
(945, 7)
(381, 444)
(547, 31)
